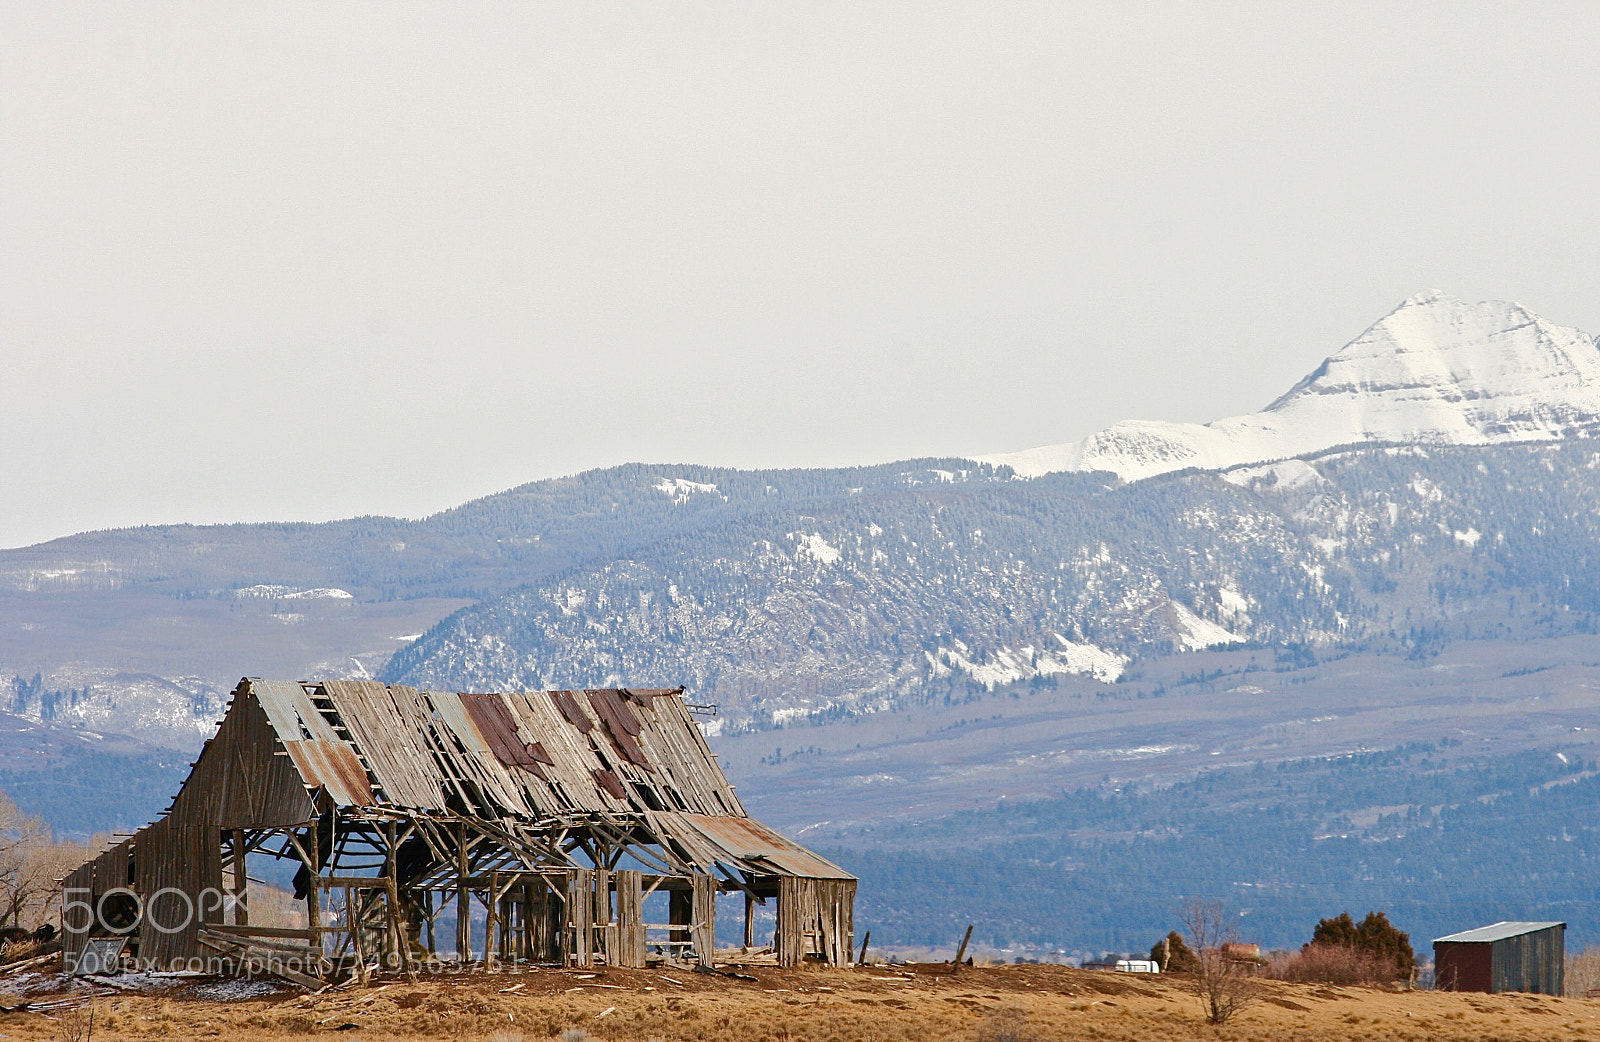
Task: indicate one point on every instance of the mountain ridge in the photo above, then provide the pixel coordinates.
(1435, 370)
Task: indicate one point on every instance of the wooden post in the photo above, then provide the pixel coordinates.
(526, 899)
(463, 899)
(397, 929)
(580, 906)
(493, 932)
(630, 918)
(241, 909)
(704, 928)
(864, 942)
(313, 892)
(749, 920)
(353, 914)
(605, 929)
(427, 912)
(963, 949)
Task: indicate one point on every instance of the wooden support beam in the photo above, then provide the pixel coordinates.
(491, 923)
(580, 907)
(630, 950)
(463, 901)
(353, 914)
(704, 919)
(962, 951)
(241, 909)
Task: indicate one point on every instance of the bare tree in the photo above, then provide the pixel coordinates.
(1225, 985)
(31, 866)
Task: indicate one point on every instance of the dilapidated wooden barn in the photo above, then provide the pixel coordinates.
(534, 827)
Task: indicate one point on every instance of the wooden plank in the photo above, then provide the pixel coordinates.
(580, 906)
(263, 931)
(704, 919)
(604, 929)
(630, 949)
(463, 896)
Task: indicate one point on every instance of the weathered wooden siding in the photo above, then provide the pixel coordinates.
(239, 781)
(178, 872)
(815, 917)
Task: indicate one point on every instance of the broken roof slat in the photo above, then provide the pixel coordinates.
(535, 755)
(480, 764)
(388, 737)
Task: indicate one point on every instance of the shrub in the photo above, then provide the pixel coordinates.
(1006, 1024)
(1333, 964)
(1174, 956)
(1374, 937)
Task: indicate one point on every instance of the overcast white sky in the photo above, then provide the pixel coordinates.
(304, 262)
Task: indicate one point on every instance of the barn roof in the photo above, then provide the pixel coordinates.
(1498, 931)
(633, 755)
(534, 754)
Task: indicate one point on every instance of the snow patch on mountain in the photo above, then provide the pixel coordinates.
(679, 490)
(1008, 665)
(1195, 633)
(1089, 660)
(264, 591)
(815, 547)
(1283, 476)
(1434, 370)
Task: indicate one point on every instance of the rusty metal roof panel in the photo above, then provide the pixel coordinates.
(319, 754)
(334, 766)
(758, 847)
(291, 711)
(480, 762)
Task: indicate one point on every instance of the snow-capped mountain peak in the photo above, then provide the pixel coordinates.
(1434, 370)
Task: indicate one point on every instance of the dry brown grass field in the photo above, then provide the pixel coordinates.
(872, 1004)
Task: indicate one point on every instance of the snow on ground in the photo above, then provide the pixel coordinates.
(269, 592)
(1284, 475)
(679, 490)
(1195, 633)
(1088, 659)
(1007, 665)
(816, 548)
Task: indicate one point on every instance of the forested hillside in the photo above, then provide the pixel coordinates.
(909, 589)
(1438, 842)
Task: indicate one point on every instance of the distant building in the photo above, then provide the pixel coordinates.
(1124, 965)
(1503, 957)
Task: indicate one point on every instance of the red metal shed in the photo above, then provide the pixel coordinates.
(1506, 956)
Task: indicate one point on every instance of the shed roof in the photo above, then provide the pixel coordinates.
(1498, 931)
